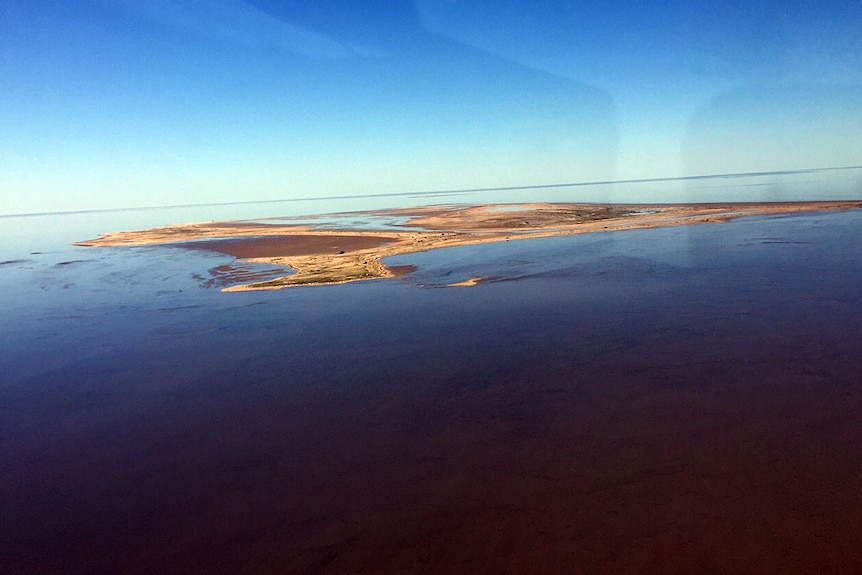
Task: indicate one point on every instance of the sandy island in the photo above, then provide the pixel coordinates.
(321, 255)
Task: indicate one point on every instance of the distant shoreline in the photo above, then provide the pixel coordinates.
(446, 191)
(336, 255)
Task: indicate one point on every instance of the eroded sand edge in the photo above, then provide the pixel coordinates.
(331, 256)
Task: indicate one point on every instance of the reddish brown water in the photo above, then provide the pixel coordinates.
(290, 245)
(664, 401)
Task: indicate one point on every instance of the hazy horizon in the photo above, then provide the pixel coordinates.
(454, 192)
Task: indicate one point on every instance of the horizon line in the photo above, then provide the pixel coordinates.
(437, 192)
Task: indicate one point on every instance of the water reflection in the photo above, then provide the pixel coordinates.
(628, 393)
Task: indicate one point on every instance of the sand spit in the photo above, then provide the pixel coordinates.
(471, 282)
(332, 256)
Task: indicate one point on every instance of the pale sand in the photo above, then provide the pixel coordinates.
(328, 256)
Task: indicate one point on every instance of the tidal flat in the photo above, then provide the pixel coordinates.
(327, 252)
(676, 399)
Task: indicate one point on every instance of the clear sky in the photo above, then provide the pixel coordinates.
(107, 104)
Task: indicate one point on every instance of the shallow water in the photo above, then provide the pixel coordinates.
(679, 399)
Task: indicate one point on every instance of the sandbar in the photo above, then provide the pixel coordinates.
(323, 254)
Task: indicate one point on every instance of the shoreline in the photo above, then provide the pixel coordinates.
(322, 256)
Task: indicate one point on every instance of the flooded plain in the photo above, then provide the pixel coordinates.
(670, 400)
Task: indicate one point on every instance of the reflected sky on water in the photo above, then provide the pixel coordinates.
(148, 423)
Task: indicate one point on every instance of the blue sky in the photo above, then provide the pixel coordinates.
(107, 104)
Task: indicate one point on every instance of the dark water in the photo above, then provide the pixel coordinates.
(671, 400)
